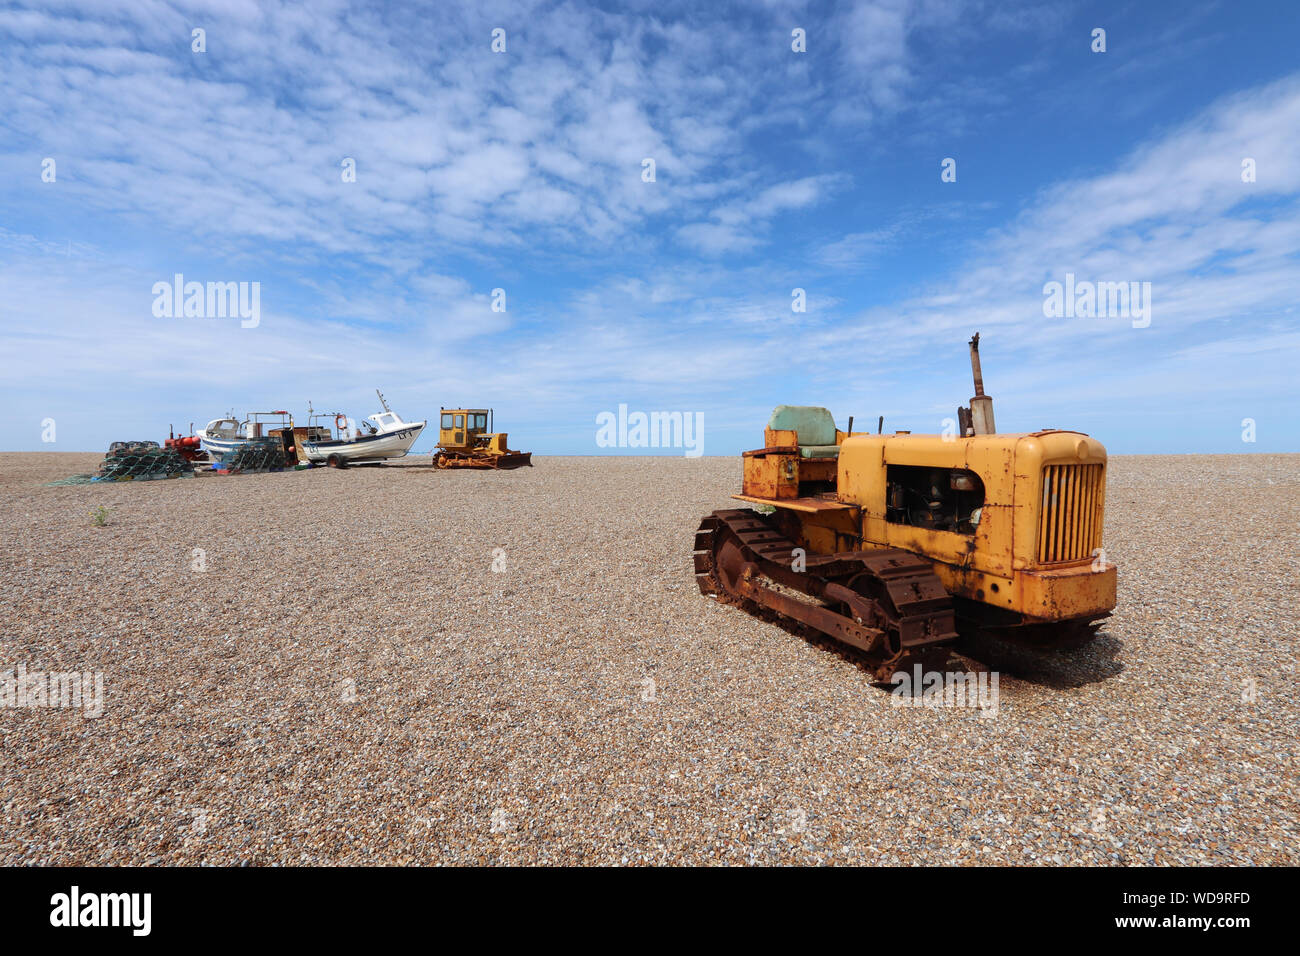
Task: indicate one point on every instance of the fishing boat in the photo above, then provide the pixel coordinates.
(221, 438)
(381, 436)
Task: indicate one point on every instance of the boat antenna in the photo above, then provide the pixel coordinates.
(381, 400)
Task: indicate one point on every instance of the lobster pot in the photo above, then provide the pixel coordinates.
(261, 454)
(142, 461)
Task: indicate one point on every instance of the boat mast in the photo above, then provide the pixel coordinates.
(381, 400)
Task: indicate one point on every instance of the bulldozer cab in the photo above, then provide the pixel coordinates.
(461, 427)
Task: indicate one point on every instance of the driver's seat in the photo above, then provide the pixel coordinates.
(813, 427)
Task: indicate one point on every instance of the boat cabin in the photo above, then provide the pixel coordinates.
(224, 429)
(387, 422)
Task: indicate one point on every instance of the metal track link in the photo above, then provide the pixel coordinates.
(888, 603)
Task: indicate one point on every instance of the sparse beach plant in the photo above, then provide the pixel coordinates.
(99, 516)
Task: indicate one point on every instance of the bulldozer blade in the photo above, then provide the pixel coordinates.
(513, 460)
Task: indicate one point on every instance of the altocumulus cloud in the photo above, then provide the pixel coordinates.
(522, 171)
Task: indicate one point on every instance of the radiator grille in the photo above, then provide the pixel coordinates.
(1069, 524)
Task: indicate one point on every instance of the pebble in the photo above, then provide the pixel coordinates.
(324, 667)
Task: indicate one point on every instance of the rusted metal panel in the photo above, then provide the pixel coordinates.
(1065, 593)
(772, 476)
(780, 436)
(809, 505)
(817, 469)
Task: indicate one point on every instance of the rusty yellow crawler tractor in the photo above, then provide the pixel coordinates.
(466, 440)
(896, 543)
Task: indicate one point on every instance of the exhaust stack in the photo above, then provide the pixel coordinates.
(981, 406)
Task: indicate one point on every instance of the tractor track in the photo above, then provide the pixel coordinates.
(887, 604)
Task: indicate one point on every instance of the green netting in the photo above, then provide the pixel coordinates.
(135, 461)
(145, 461)
(258, 455)
(72, 480)
(140, 462)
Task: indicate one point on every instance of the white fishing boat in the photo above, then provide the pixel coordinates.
(381, 436)
(222, 437)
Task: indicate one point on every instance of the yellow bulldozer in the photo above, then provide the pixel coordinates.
(897, 544)
(466, 440)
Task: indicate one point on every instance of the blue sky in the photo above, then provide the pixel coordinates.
(774, 170)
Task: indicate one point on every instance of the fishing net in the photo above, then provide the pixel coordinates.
(139, 461)
(144, 461)
(259, 454)
(135, 461)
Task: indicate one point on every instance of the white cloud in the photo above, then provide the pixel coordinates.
(246, 139)
(738, 226)
(474, 167)
(1220, 254)
(716, 239)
